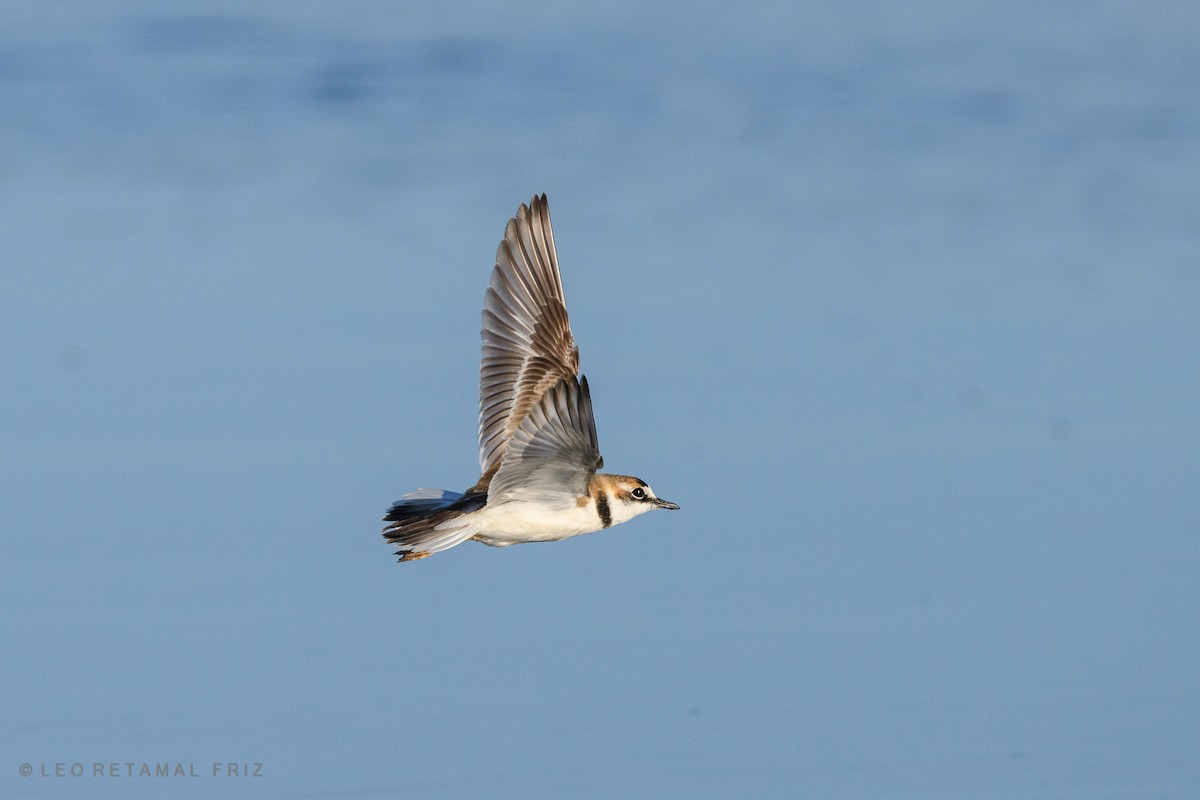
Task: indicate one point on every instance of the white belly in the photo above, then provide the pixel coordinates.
(516, 522)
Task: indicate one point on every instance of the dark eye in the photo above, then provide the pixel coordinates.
(639, 493)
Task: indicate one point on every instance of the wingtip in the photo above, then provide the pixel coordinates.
(539, 206)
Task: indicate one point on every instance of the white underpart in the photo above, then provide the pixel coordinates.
(519, 521)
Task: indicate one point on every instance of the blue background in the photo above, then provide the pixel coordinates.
(900, 302)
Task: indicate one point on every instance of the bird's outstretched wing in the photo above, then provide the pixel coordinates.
(527, 344)
(552, 455)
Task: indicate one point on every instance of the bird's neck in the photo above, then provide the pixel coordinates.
(602, 491)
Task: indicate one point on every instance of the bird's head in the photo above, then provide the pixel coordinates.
(632, 496)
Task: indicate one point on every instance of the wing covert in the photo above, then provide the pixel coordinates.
(554, 452)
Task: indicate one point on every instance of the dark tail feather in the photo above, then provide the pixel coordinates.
(415, 517)
(406, 510)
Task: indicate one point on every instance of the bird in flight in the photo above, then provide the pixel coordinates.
(537, 438)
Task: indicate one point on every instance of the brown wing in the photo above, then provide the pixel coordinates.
(527, 343)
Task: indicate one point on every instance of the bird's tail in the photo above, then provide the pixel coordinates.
(428, 521)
